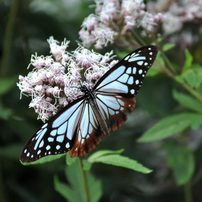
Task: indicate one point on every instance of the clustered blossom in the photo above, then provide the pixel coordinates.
(177, 13)
(56, 79)
(113, 19)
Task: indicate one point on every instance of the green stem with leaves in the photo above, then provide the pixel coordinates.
(85, 182)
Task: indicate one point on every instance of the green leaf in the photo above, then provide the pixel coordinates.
(171, 125)
(45, 159)
(118, 160)
(75, 177)
(86, 165)
(6, 84)
(193, 76)
(168, 46)
(64, 190)
(69, 159)
(100, 153)
(95, 188)
(78, 179)
(183, 164)
(188, 101)
(188, 60)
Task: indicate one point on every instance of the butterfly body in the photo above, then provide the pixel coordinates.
(81, 125)
(91, 99)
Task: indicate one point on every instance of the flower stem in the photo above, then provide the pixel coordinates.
(85, 182)
(8, 37)
(187, 192)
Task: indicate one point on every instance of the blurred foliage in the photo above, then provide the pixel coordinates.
(165, 112)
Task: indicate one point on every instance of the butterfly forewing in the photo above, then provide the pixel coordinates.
(126, 77)
(76, 127)
(56, 136)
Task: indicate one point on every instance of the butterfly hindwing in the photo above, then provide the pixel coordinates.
(89, 133)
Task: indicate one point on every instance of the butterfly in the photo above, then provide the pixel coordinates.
(79, 127)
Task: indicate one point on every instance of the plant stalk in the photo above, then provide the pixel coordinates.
(187, 192)
(85, 182)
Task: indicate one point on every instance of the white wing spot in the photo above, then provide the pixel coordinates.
(44, 125)
(39, 151)
(132, 91)
(131, 80)
(60, 138)
(126, 58)
(129, 70)
(146, 63)
(134, 70)
(25, 151)
(140, 63)
(140, 71)
(28, 154)
(53, 132)
(67, 145)
(136, 58)
(41, 144)
(150, 53)
(50, 139)
(137, 82)
(48, 147)
(149, 48)
(58, 147)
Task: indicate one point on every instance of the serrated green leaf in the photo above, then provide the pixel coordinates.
(45, 159)
(170, 126)
(188, 60)
(183, 164)
(65, 190)
(168, 46)
(6, 84)
(122, 161)
(188, 101)
(100, 153)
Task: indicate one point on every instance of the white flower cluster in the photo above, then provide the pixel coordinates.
(113, 19)
(55, 80)
(177, 13)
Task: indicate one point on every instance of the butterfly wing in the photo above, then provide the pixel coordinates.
(126, 77)
(57, 135)
(115, 91)
(89, 133)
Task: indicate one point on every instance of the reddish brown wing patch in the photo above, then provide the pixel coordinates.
(80, 149)
(117, 120)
